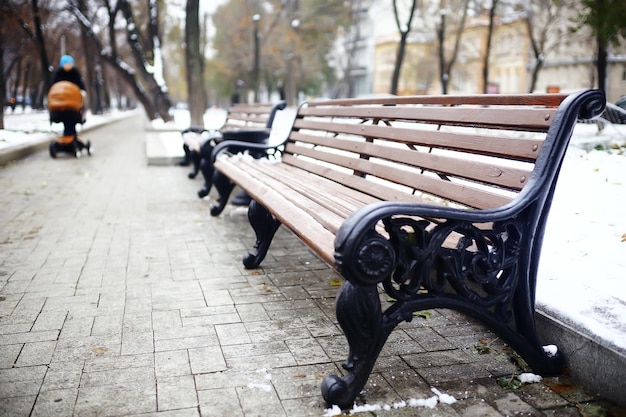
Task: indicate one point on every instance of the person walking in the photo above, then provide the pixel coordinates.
(68, 72)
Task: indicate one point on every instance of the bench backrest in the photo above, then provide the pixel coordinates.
(251, 115)
(468, 151)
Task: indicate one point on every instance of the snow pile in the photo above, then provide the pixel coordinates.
(529, 378)
(583, 258)
(265, 386)
(551, 350)
(430, 402)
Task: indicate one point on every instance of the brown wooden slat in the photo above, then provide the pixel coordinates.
(550, 100)
(522, 149)
(319, 189)
(461, 193)
(504, 177)
(247, 114)
(531, 119)
(247, 120)
(299, 197)
(299, 221)
(488, 173)
(255, 176)
(251, 107)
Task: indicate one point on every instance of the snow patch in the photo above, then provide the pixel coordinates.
(529, 378)
(430, 402)
(551, 350)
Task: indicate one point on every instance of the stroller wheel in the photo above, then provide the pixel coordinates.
(53, 150)
(76, 149)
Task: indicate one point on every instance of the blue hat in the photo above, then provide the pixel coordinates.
(66, 59)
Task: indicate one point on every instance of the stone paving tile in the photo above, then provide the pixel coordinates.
(206, 360)
(132, 301)
(116, 400)
(55, 403)
(63, 376)
(220, 402)
(178, 392)
(17, 406)
(36, 353)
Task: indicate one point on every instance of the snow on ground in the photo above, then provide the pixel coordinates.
(582, 271)
(583, 263)
(23, 127)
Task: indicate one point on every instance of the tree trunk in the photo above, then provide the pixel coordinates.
(153, 96)
(601, 63)
(2, 80)
(536, 52)
(404, 33)
(18, 78)
(441, 36)
(89, 73)
(43, 56)
(158, 94)
(395, 79)
(193, 61)
(492, 13)
(445, 68)
(535, 73)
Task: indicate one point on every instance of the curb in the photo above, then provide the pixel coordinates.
(17, 152)
(14, 153)
(164, 147)
(600, 368)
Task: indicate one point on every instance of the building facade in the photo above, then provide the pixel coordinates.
(567, 62)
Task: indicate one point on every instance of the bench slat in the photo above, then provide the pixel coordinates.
(319, 238)
(318, 191)
(549, 100)
(522, 149)
(323, 190)
(252, 108)
(248, 115)
(487, 172)
(505, 118)
(462, 193)
(355, 182)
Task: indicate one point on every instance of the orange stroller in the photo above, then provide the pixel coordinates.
(66, 104)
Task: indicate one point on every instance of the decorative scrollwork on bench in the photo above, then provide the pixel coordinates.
(413, 259)
(481, 268)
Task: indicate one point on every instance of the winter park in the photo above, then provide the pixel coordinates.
(390, 171)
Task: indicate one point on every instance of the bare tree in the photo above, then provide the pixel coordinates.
(2, 78)
(445, 65)
(43, 55)
(492, 16)
(145, 77)
(606, 20)
(292, 34)
(17, 43)
(404, 33)
(194, 63)
(541, 23)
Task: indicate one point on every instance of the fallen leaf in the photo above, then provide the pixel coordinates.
(100, 350)
(334, 282)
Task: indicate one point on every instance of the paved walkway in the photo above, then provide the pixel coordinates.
(121, 296)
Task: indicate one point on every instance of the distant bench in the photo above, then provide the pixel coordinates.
(247, 122)
(441, 199)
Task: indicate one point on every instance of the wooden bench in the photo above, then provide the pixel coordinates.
(248, 122)
(443, 200)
